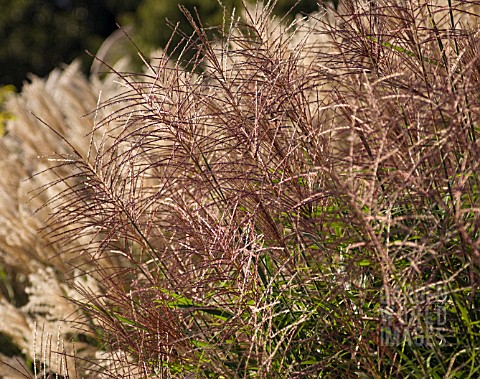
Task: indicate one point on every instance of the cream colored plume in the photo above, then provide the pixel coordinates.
(65, 101)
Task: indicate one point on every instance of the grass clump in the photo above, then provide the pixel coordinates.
(34, 271)
(302, 202)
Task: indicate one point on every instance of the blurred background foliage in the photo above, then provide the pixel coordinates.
(39, 35)
(4, 115)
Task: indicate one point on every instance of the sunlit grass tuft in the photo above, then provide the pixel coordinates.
(301, 202)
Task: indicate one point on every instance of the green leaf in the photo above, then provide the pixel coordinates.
(363, 263)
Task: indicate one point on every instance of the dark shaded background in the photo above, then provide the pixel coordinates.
(37, 36)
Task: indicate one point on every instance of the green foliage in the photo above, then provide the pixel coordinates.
(4, 115)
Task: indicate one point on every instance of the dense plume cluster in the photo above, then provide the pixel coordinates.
(294, 201)
(34, 292)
